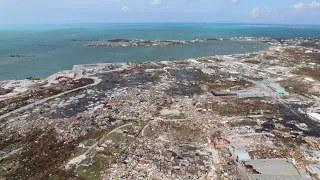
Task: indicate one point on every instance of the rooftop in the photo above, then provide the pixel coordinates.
(277, 177)
(315, 115)
(274, 167)
(242, 154)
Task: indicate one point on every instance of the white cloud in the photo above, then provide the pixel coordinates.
(255, 12)
(124, 8)
(156, 2)
(300, 6)
(314, 4)
(232, 1)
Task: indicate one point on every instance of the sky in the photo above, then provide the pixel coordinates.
(152, 11)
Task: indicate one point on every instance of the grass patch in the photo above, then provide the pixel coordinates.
(91, 142)
(2, 170)
(115, 137)
(93, 172)
(127, 127)
(54, 177)
(15, 174)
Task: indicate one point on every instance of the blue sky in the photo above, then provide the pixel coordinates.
(120, 11)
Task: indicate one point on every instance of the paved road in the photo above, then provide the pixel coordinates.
(279, 99)
(96, 81)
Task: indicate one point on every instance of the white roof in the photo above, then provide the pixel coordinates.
(309, 79)
(242, 155)
(277, 177)
(273, 167)
(315, 115)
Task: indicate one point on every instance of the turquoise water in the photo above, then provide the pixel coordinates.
(61, 52)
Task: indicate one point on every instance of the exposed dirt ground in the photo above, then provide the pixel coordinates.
(294, 86)
(243, 107)
(311, 72)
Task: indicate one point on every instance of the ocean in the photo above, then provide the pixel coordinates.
(51, 48)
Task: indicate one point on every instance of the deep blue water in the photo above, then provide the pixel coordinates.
(62, 53)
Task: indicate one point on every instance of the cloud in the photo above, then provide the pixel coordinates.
(232, 1)
(255, 12)
(314, 4)
(124, 8)
(156, 2)
(300, 6)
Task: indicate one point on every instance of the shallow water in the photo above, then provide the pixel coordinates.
(52, 48)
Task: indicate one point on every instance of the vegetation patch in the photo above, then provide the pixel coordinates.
(115, 137)
(295, 86)
(244, 107)
(127, 127)
(94, 171)
(43, 155)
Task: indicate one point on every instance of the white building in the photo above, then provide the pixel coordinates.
(314, 116)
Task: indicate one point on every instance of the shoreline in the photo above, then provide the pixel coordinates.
(110, 55)
(147, 43)
(136, 42)
(85, 70)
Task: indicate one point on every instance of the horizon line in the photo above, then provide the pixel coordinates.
(237, 23)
